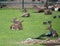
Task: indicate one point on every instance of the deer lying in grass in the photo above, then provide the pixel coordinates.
(54, 33)
(17, 25)
(39, 9)
(26, 14)
(43, 9)
(48, 11)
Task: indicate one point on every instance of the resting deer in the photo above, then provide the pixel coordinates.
(26, 14)
(48, 11)
(39, 9)
(17, 25)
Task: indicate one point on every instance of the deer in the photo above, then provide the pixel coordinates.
(17, 25)
(39, 9)
(26, 14)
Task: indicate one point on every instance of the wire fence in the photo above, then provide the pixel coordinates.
(23, 3)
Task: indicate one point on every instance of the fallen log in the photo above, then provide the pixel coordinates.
(47, 42)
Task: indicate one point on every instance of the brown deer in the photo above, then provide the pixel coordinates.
(48, 11)
(54, 33)
(26, 14)
(17, 25)
(39, 9)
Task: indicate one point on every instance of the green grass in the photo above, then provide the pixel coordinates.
(32, 26)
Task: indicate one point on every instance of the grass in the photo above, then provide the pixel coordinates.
(32, 26)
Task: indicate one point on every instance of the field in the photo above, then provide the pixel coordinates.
(32, 26)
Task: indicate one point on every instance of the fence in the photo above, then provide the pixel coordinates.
(23, 3)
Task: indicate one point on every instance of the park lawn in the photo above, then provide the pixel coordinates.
(32, 26)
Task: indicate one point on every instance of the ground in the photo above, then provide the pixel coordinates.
(32, 26)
